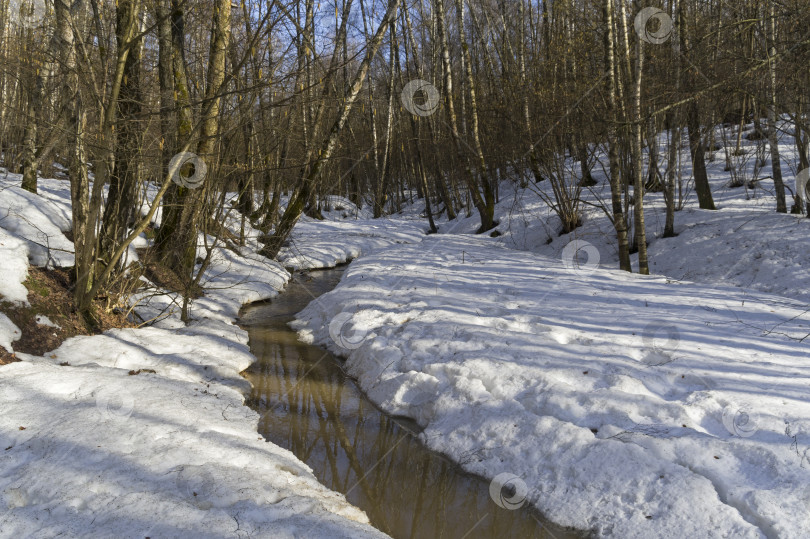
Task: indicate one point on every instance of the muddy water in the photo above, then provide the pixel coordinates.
(312, 408)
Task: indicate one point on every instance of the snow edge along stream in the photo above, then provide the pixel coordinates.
(94, 443)
(493, 352)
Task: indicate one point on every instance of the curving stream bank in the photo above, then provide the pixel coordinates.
(311, 407)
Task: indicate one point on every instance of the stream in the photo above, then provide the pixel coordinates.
(311, 407)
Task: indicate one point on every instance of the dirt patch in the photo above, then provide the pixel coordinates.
(51, 318)
(6, 358)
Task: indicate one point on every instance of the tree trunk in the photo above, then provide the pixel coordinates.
(183, 243)
(452, 120)
(441, 185)
(619, 220)
(487, 220)
(525, 90)
(696, 147)
(420, 173)
(176, 195)
(126, 138)
(773, 117)
(384, 171)
(309, 179)
(638, 189)
(168, 125)
(673, 125)
(67, 21)
(672, 170)
(653, 181)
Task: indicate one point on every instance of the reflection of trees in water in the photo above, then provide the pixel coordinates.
(309, 406)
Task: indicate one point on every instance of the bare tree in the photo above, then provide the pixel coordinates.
(311, 174)
(619, 219)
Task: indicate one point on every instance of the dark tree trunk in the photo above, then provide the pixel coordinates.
(119, 213)
(697, 150)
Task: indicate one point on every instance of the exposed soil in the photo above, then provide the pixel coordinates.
(6, 358)
(49, 295)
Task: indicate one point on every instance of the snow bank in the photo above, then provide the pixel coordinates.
(231, 280)
(631, 406)
(338, 208)
(744, 243)
(9, 333)
(321, 244)
(14, 270)
(37, 220)
(106, 454)
(14, 256)
(144, 432)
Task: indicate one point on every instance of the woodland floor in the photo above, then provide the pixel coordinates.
(628, 405)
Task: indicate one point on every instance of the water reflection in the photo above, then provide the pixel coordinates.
(312, 408)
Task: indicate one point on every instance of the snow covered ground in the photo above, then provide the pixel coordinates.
(672, 405)
(744, 243)
(105, 453)
(143, 432)
(320, 244)
(631, 406)
(38, 220)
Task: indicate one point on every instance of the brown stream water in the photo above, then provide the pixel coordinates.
(311, 407)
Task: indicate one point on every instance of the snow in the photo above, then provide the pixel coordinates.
(744, 243)
(14, 256)
(39, 222)
(8, 333)
(105, 454)
(618, 399)
(511, 351)
(672, 405)
(337, 208)
(43, 320)
(144, 432)
(231, 281)
(319, 244)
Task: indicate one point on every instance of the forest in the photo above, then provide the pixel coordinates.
(307, 100)
(576, 221)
